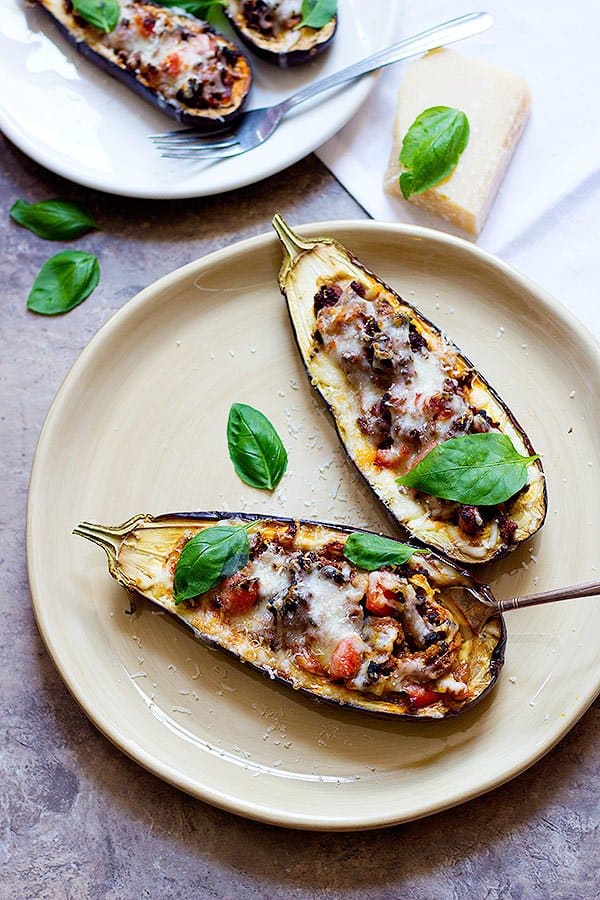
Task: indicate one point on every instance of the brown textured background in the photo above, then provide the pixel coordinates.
(80, 820)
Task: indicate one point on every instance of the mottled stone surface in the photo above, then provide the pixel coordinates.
(80, 820)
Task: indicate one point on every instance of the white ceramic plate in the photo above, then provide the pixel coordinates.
(75, 120)
(139, 425)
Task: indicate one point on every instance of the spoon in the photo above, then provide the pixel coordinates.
(478, 610)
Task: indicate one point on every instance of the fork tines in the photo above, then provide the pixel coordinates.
(187, 143)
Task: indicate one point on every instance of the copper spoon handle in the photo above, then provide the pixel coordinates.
(590, 589)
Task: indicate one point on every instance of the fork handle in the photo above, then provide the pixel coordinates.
(590, 589)
(453, 30)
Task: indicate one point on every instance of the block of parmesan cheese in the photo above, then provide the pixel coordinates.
(497, 106)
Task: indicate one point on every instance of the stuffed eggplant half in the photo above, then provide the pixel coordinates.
(176, 62)
(295, 607)
(397, 388)
(270, 28)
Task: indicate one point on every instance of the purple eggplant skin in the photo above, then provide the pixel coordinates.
(172, 109)
(496, 660)
(268, 48)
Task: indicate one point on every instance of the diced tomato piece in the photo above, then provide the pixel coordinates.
(390, 459)
(378, 603)
(346, 659)
(145, 24)
(172, 64)
(379, 599)
(439, 406)
(420, 696)
(238, 594)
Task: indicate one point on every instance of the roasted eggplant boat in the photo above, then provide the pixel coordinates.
(175, 61)
(397, 388)
(270, 29)
(294, 607)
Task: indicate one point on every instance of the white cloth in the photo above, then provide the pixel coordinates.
(546, 218)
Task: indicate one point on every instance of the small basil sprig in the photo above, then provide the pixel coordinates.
(371, 551)
(53, 220)
(317, 13)
(102, 14)
(431, 148)
(255, 448)
(198, 8)
(64, 281)
(212, 554)
(476, 469)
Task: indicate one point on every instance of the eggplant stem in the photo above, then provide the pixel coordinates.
(110, 537)
(293, 243)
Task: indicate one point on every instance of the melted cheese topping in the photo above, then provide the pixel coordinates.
(413, 392)
(408, 395)
(272, 17)
(284, 10)
(316, 611)
(271, 569)
(177, 56)
(332, 609)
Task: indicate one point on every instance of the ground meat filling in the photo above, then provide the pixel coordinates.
(469, 519)
(380, 633)
(271, 17)
(411, 400)
(181, 59)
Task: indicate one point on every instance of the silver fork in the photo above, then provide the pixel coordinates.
(478, 607)
(255, 126)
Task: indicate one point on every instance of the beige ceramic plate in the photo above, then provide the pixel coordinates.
(139, 425)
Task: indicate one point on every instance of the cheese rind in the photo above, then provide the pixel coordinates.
(497, 105)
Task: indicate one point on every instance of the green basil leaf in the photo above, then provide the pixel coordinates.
(476, 469)
(64, 281)
(255, 448)
(210, 555)
(198, 8)
(317, 13)
(371, 551)
(432, 147)
(53, 220)
(102, 14)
